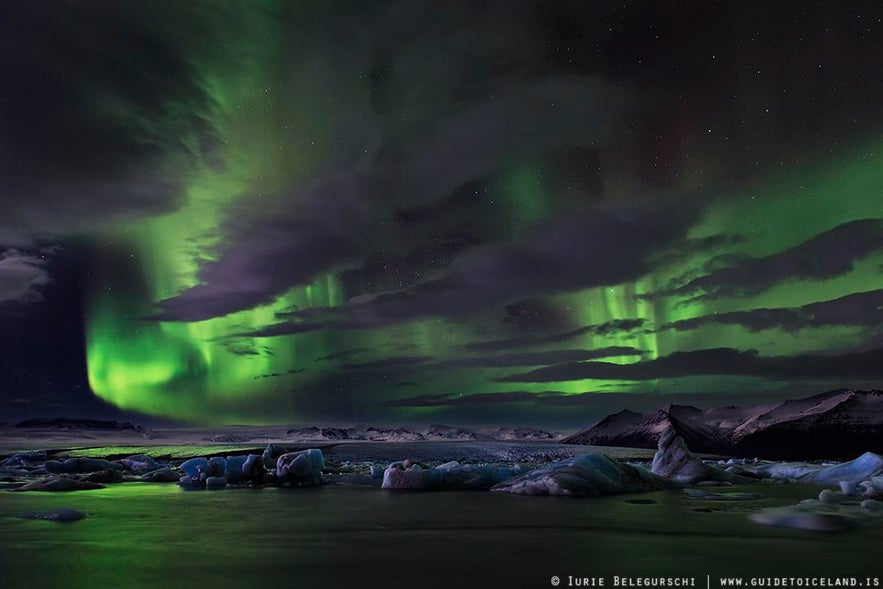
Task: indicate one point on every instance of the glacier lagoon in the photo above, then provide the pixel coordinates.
(158, 535)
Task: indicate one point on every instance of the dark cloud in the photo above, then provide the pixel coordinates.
(343, 354)
(534, 315)
(248, 348)
(391, 362)
(585, 407)
(579, 250)
(538, 358)
(593, 399)
(582, 249)
(285, 329)
(104, 115)
(863, 309)
(608, 328)
(326, 224)
(827, 255)
(450, 400)
(278, 374)
(684, 250)
(22, 275)
(717, 362)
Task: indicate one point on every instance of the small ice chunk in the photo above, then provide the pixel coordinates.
(872, 505)
(24, 459)
(234, 468)
(140, 463)
(586, 475)
(188, 482)
(828, 497)
(60, 484)
(194, 466)
(302, 468)
(810, 521)
(217, 466)
(75, 465)
(252, 461)
(674, 460)
(161, 475)
(216, 482)
(398, 478)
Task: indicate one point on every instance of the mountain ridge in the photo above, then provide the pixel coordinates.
(836, 424)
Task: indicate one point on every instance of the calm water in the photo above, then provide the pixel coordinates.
(141, 535)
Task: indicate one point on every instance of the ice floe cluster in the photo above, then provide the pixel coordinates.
(854, 499)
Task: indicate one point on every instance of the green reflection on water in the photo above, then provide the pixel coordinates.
(149, 535)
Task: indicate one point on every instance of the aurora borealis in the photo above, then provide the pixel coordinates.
(505, 212)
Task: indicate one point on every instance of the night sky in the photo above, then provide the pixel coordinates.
(436, 212)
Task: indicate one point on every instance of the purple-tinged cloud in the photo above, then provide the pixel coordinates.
(862, 309)
(717, 362)
(827, 255)
(538, 358)
(612, 327)
(325, 225)
(21, 276)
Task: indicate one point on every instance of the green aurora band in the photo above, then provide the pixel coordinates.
(194, 371)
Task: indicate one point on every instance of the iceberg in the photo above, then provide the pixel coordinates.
(589, 475)
(300, 469)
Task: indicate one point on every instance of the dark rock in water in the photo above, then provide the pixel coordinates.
(64, 514)
(24, 459)
(104, 476)
(162, 475)
(88, 424)
(588, 475)
(74, 465)
(60, 484)
(641, 501)
(673, 460)
(834, 425)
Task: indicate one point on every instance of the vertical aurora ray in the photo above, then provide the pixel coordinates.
(280, 122)
(188, 370)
